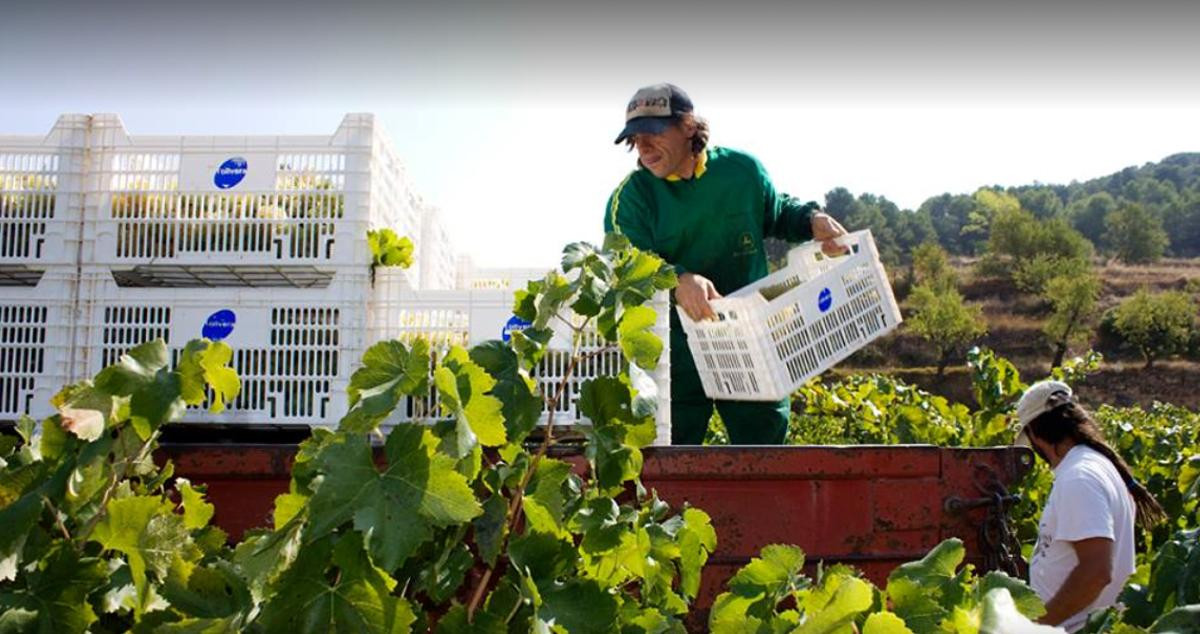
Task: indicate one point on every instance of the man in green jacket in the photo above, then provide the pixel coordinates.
(706, 211)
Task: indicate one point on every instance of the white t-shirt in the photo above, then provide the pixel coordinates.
(1088, 499)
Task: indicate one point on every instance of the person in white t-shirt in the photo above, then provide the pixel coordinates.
(1085, 546)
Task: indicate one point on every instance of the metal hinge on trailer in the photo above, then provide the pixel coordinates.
(1001, 549)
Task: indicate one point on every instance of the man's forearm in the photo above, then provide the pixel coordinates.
(1080, 589)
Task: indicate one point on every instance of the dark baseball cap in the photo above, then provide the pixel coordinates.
(653, 108)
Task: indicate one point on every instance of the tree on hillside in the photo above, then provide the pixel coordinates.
(945, 321)
(931, 267)
(947, 215)
(1157, 324)
(1087, 215)
(989, 205)
(1040, 200)
(1184, 221)
(1033, 274)
(1029, 251)
(1074, 300)
(1135, 235)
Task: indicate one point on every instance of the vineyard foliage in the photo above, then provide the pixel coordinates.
(469, 523)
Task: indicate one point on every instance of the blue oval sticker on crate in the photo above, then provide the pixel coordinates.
(825, 299)
(219, 325)
(230, 173)
(514, 324)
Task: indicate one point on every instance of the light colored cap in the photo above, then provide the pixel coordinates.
(1040, 398)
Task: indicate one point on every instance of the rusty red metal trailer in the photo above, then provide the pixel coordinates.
(873, 507)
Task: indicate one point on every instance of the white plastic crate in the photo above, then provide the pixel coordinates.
(471, 277)
(41, 195)
(293, 349)
(35, 341)
(435, 251)
(773, 335)
(172, 207)
(465, 318)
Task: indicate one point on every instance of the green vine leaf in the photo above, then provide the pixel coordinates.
(398, 508)
(390, 371)
(196, 511)
(463, 387)
(357, 598)
(148, 533)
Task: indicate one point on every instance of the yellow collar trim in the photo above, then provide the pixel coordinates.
(701, 167)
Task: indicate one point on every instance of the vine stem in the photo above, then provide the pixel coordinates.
(514, 506)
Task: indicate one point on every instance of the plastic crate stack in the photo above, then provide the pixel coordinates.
(466, 317)
(259, 241)
(41, 206)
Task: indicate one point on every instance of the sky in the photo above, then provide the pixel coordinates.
(504, 112)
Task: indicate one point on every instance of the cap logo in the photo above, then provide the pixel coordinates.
(648, 107)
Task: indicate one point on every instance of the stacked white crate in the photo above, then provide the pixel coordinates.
(435, 255)
(465, 317)
(40, 216)
(262, 239)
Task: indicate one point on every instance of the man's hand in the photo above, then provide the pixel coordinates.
(693, 293)
(825, 229)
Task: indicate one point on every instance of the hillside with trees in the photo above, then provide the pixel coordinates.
(1044, 272)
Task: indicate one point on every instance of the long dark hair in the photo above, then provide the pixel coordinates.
(1070, 420)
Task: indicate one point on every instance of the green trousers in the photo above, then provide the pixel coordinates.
(748, 422)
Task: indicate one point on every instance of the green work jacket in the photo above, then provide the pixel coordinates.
(712, 224)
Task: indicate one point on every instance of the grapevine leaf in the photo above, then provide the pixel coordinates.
(206, 592)
(17, 481)
(923, 592)
(531, 344)
(463, 387)
(87, 424)
(885, 623)
(579, 606)
(490, 528)
(697, 540)
(1024, 598)
(592, 291)
(288, 506)
(390, 370)
(577, 254)
(396, 509)
(599, 521)
(196, 512)
(848, 597)
(1181, 620)
(1189, 478)
(521, 405)
(442, 578)
(555, 294)
(543, 555)
(771, 573)
(544, 500)
(455, 622)
(202, 364)
(154, 391)
(149, 534)
(56, 596)
(1000, 614)
(358, 598)
(638, 342)
(214, 363)
(616, 434)
(260, 558)
(389, 249)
